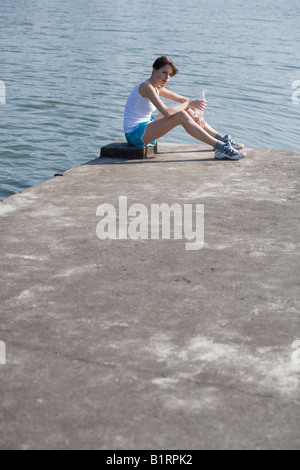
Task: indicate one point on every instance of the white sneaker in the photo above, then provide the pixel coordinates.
(228, 153)
(228, 140)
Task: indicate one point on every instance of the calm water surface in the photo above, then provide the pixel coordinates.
(69, 66)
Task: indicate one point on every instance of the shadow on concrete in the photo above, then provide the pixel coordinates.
(185, 151)
(110, 161)
(154, 159)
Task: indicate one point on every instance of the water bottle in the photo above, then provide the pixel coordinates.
(198, 112)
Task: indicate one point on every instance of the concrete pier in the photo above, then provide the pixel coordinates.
(123, 344)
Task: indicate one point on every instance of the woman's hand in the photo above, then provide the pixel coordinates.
(202, 123)
(197, 104)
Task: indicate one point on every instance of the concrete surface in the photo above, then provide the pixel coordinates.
(142, 344)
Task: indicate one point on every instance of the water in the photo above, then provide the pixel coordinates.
(69, 66)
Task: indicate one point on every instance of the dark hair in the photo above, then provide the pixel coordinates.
(162, 61)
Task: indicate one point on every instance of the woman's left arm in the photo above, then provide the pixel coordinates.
(165, 93)
(170, 95)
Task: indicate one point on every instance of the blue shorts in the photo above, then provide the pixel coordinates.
(134, 138)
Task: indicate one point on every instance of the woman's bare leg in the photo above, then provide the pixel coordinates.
(210, 130)
(162, 125)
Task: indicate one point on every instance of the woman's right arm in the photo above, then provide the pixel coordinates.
(147, 91)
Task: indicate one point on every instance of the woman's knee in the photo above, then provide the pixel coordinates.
(183, 116)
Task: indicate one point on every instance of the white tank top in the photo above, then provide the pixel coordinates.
(138, 109)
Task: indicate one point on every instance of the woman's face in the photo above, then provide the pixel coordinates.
(163, 75)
